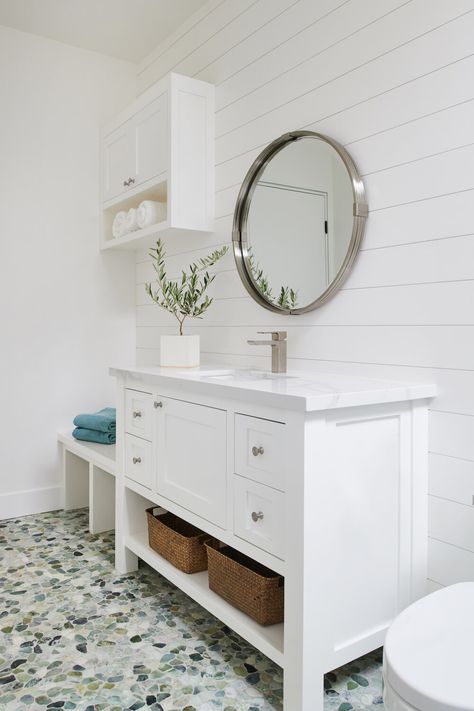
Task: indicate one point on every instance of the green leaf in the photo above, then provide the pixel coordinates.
(186, 297)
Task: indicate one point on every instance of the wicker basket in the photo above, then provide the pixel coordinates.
(246, 584)
(181, 543)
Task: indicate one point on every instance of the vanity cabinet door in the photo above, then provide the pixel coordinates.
(191, 457)
(117, 161)
(150, 128)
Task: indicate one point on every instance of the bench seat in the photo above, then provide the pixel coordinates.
(88, 475)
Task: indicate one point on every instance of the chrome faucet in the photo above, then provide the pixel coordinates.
(278, 345)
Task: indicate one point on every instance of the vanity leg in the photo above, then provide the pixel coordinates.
(125, 560)
(303, 682)
(307, 627)
(308, 696)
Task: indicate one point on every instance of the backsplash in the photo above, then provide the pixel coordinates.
(391, 81)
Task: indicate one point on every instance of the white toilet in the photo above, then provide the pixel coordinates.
(429, 653)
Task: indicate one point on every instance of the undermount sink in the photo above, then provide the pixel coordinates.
(243, 374)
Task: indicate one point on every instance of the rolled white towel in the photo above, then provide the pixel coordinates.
(150, 212)
(132, 223)
(119, 225)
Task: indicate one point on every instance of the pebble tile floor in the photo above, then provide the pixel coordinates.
(76, 635)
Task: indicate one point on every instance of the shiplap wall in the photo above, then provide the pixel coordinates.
(392, 81)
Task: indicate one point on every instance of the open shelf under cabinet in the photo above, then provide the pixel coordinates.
(268, 639)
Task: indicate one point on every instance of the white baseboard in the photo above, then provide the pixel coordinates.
(31, 501)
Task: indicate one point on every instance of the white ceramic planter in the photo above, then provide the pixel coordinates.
(179, 351)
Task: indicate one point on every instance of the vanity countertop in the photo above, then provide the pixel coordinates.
(302, 391)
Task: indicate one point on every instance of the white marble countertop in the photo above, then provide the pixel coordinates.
(303, 391)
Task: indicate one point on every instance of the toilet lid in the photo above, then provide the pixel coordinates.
(429, 651)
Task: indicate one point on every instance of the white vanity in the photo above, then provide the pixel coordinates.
(320, 477)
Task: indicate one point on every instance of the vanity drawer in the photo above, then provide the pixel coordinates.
(138, 464)
(138, 413)
(260, 450)
(259, 516)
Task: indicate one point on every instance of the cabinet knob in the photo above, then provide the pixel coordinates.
(257, 516)
(137, 413)
(257, 450)
(125, 183)
(157, 404)
(131, 181)
(137, 460)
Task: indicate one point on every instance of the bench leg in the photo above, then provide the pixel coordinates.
(101, 500)
(75, 480)
(125, 560)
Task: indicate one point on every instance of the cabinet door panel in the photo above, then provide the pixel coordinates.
(191, 458)
(150, 140)
(117, 161)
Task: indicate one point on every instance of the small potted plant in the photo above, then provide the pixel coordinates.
(184, 298)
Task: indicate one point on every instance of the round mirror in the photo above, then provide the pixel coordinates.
(298, 222)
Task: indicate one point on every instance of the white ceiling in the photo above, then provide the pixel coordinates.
(128, 29)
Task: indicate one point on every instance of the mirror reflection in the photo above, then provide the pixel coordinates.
(296, 223)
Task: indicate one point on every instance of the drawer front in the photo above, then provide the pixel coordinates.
(138, 463)
(138, 413)
(259, 516)
(260, 450)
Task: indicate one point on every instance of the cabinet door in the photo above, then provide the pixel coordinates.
(191, 457)
(117, 161)
(150, 128)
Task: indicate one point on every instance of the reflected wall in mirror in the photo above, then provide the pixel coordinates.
(298, 222)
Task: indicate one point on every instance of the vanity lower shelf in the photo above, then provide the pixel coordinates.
(268, 639)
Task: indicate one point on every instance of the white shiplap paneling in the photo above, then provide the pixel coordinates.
(391, 80)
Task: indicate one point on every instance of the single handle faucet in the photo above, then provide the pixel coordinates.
(278, 346)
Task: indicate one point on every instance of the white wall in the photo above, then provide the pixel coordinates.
(66, 311)
(392, 81)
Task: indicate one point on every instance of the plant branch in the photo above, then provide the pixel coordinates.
(185, 297)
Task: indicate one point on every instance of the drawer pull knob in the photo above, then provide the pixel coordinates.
(137, 413)
(257, 516)
(257, 450)
(137, 460)
(157, 404)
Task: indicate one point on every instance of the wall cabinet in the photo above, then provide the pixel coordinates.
(322, 479)
(117, 161)
(161, 148)
(137, 151)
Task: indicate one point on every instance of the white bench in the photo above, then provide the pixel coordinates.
(88, 475)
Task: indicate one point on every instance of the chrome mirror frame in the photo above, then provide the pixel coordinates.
(240, 240)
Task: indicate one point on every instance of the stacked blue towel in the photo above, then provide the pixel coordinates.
(97, 427)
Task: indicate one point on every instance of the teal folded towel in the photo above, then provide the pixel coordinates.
(102, 421)
(94, 436)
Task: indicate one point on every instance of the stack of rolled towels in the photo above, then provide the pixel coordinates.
(149, 212)
(97, 427)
